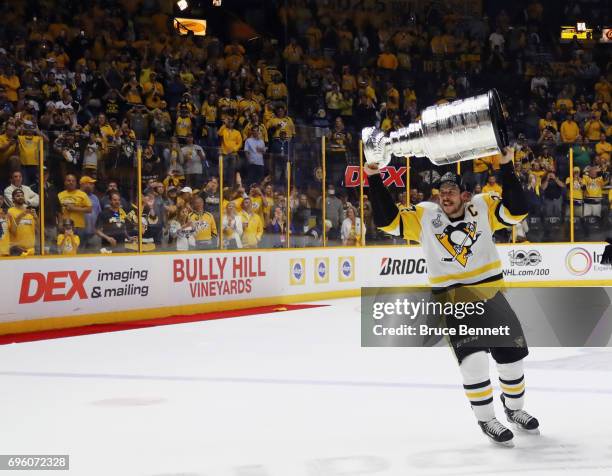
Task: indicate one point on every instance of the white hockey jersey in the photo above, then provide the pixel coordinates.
(458, 251)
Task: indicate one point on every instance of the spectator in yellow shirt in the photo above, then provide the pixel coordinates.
(548, 121)
(10, 81)
(281, 123)
(30, 146)
(593, 127)
(184, 124)
(277, 90)
(393, 97)
(603, 148)
(8, 149)
(153, 91)
(492, 186)
(67, 242)
(592, 185)
(569, 130)
(252, 226)
(231, 143)
(578, 194)
(349, 83)
(75, 204)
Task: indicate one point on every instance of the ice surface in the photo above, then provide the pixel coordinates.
(287, 394)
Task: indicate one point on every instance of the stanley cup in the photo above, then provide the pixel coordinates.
(466, 129)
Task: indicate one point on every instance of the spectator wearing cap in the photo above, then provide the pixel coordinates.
(22, 225)
(75, 204)
(194, 163)
(31, 198)
(67, 241)
(88, 239)
(184, 198)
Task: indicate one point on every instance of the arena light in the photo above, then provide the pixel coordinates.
(185, 26)
(182, 4)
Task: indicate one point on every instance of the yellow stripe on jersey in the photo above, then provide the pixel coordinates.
(467, 274)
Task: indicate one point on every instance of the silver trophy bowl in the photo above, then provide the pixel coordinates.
(466, 129)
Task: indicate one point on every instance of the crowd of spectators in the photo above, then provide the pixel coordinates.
(98, 87)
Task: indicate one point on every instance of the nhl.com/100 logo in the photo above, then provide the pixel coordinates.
(524, 258)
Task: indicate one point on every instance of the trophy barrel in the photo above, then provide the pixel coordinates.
(464, 130)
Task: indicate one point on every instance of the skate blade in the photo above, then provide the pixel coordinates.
(502, 444)
(535, 431)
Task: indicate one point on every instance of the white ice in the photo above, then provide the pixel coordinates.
(287, 394)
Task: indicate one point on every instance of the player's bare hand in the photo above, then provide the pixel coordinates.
(507, 155)
(371, 169)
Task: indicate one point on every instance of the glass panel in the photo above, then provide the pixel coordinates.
(184, 193)
(20, 227)
(592, 191)
(306, 189)
(543, 170)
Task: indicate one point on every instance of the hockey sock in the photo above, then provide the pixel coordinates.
(477, 385)
(512, 383)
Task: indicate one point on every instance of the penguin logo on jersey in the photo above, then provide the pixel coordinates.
(458, 241)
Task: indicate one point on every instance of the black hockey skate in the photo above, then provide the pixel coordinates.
(497, 432)
(521, 419)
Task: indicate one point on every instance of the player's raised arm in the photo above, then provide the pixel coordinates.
(384, 210)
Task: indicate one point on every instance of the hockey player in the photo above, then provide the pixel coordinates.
(457, 239)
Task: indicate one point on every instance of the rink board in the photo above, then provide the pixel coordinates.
(51, 292)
